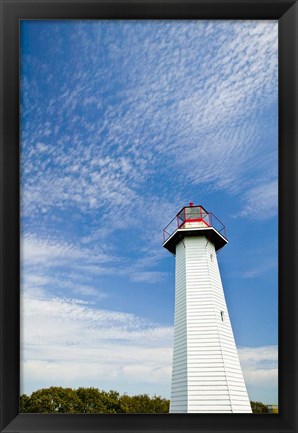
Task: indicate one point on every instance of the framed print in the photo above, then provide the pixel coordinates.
(130, 130)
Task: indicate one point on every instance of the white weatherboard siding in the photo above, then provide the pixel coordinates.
(178, 402)
(207, 376)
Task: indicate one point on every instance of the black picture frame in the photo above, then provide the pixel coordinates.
(285, 11)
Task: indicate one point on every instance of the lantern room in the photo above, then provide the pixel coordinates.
(194, 221)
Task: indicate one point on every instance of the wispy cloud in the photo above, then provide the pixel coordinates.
(261, 269)
(68, 342)
(89, 291)
(72, 343)
(50, 252)
(261, 201)
(260, 370)
(147, 276)
(58, 266)
(193, 118)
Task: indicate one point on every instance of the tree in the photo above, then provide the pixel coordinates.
(110, 401)
(258, 407)
(24, 403)
(51, 400)
(89, 400)
(144, 404)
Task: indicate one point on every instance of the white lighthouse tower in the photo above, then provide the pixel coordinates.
(207, 376)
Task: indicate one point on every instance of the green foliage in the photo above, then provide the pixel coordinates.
(51, 400)
(143, 404)
(258, 407)
(90, 400)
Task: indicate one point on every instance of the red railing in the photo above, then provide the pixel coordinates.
(193, 214)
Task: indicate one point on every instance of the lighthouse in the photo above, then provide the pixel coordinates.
(206, 375)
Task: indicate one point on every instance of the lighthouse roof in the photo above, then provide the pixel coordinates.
(194, 221)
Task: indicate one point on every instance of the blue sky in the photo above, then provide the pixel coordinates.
(122, 124)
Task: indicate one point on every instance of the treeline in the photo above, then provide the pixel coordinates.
(93, 400)
(90, 400)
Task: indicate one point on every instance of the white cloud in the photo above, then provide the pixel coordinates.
(67, 342)
(261, 202)
(266, 266)
(258, 354)
(38, 252)
(89, 291)
(181, 111)
(55, 266)
(147, 276)
(260, 371)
